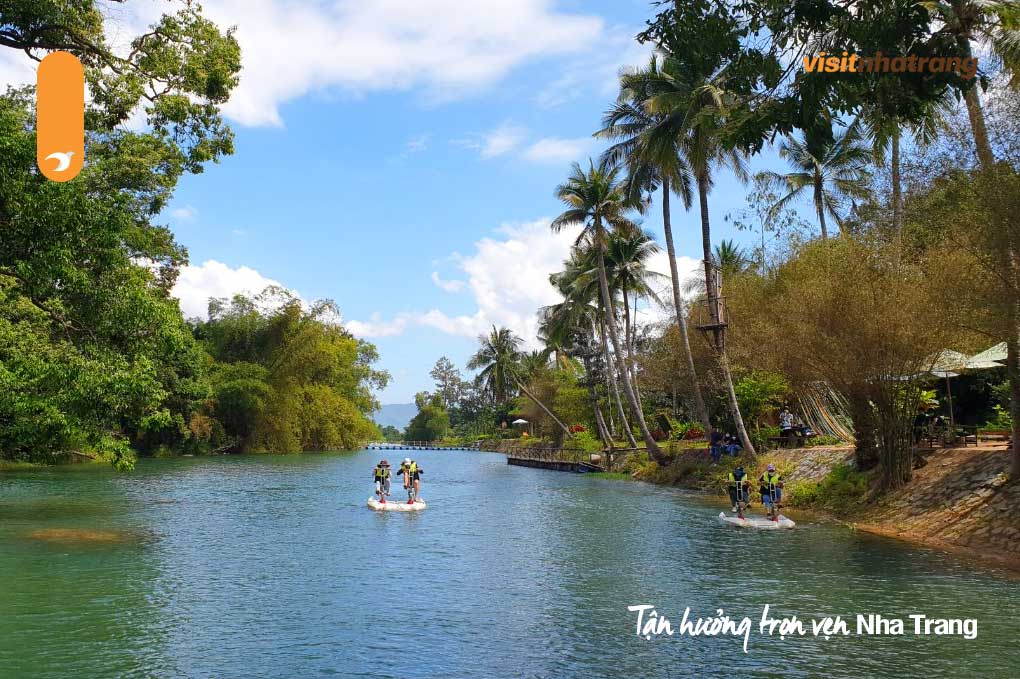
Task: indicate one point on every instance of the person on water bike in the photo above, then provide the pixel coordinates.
(771, 488)
(739, 489)
(412, 479)
(381, 476)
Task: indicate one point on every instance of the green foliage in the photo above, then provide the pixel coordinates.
(391, 434)
(285, 379)
(432, 421)
(840, 491)
(1001, 422)
(94, 355)
(760, 392)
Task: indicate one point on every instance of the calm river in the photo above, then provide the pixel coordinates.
(273, 567)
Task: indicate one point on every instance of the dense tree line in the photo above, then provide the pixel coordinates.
(913, 178)
(96, 358)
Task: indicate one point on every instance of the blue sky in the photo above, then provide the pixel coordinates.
(400, 158)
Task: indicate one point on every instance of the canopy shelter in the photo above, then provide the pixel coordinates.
(521, 422)
(992, 357)
(948, 363)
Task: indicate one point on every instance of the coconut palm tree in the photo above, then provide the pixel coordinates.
(832, 170)
(627, 256)
(692, 114)
(569, 327)
(627, 121)
(994, 25)
(596, 201)
(579, 281)
(499, 360)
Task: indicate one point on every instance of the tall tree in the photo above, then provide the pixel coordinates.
(996, 24)
(499, 361)
(831, 169)
(596, 200)
(693, 102)
(627, 122)
(627, 257)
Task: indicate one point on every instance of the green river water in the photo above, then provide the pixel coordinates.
(269, 566)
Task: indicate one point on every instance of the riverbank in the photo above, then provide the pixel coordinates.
(961, 500)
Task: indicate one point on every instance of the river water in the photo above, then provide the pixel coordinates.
(272, 566)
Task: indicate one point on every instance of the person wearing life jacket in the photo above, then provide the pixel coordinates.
(771, 487)
(381, 476)
(412, 479)
(739, 488)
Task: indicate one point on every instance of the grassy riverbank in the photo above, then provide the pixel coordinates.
(960, 501)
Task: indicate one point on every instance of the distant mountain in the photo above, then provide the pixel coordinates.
(395, 415)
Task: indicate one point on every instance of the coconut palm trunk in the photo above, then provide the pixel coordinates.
(820, 204)
(678, 308)
(600, 421)
(713, 304)
(614, 385)
(986, 158)
(524, 390)
(619, 350)
(628, 325)
(897, 181)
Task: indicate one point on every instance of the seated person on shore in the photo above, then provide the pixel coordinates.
(770, 485)
(739, 488)
(381, 475)
(715, 443)
(731, 445)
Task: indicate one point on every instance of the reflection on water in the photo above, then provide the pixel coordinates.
(273, 567)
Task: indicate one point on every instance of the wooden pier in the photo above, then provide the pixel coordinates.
(416, 445)
(559, 459)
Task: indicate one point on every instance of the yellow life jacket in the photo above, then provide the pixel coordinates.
(382, 473)
(768, 481)
(734, 481)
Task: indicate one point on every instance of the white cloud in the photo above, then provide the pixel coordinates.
(554, 150)
(497, 142)
(449, 47)
(596, 69)
(449, 286)
(507, 275)
(688, 269)
(196, 284)
(184, 214)
(377, 327)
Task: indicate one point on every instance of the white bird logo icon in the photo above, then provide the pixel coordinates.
(63, 160)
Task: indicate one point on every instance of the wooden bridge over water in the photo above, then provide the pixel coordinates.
(559, 459)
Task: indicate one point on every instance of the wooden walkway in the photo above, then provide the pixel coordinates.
(416, 445)
(564, 459)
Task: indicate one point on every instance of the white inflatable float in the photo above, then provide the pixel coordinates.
(757, 522)
(395, 506)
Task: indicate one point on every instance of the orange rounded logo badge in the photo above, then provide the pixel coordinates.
(60, 117)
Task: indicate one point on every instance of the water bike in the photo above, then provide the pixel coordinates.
(416, 506)
(757, 522)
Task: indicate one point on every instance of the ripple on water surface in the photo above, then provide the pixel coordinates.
(273, 567)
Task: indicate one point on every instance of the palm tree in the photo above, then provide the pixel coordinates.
(994, 23)
(499, 358)
(596, 200)
(692, 112)
(832, 169)
(579, 282)
(569, 327)
(628, 121)
(627, 256)
(730, 258)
